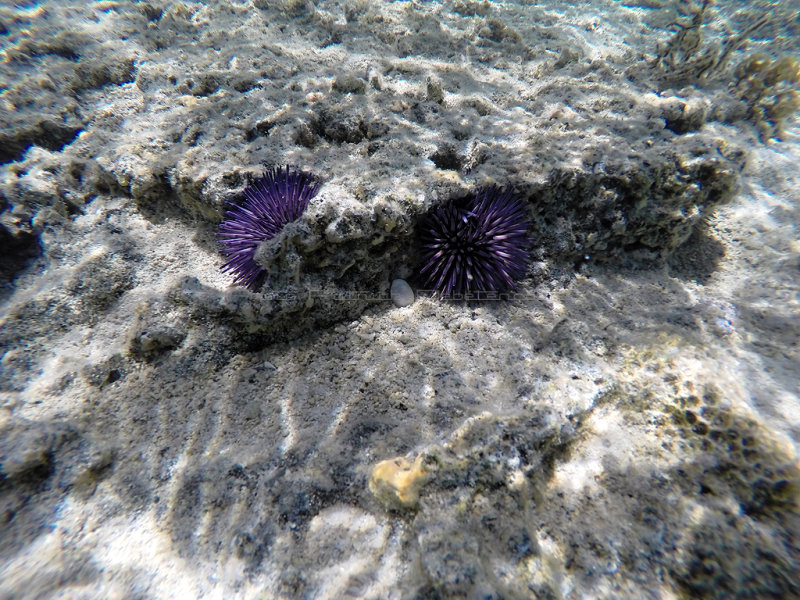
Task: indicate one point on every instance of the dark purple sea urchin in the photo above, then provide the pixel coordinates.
(278, 197)
(475, 247)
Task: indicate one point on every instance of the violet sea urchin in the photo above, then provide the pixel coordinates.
(275, 199)
(475, 247)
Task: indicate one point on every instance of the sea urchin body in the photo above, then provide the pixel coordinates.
(275, 199)
(475, 247)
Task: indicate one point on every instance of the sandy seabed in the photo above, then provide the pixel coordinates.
(624, 426)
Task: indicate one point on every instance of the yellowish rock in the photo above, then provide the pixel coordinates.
(396, 482)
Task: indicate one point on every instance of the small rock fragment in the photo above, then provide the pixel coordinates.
(347, 83)
(402, 294)
(375, 78)
(434, 91)
(26, 456)
(396, 482)
(148, 341)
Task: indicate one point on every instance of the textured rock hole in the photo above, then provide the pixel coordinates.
(18, 250)
(721, 420)
(447, 157)
(750, 455)
(262, 128)
(711, 398)
(781, 488)
(233, 179)
(47, 134)
(152, 13)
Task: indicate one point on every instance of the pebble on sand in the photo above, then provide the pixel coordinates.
(402, 294)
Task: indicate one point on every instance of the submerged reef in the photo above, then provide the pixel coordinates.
(617, 429)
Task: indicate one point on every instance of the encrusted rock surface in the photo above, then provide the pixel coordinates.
(626, 425)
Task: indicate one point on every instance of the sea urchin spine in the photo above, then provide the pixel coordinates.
(476, 247)
(275, 199)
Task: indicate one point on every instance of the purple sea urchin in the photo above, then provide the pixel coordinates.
(475, 247)
(275, 199)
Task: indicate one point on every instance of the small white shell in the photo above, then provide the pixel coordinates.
(402, 294)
